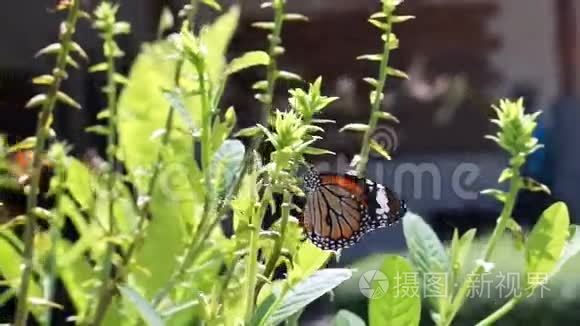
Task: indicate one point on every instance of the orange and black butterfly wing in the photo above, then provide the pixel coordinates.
(340, 209)
(333, 215)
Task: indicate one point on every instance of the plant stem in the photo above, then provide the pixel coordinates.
(21, 314)
(107, 284)
(502, 311)
(272, 262)
(252, 258)
(275, 41)
(376, 101)
(460, 296)
(54, 231)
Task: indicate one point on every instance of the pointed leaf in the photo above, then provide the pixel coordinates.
(387, 116)
(295, 17)
(379, 149)
(401, 19)
(371, 81)
(264, 25)
(370, 57)
(49, 49)
(397, 73)
(535, 186)
(35, 101)
(227, 164)
(394, 305)
(248, 132)
(289, 75)
(247, 60)
(26, 143)
(571, 249)
(360, 127)
(103, 66)
(213, 4)
(307, 291)
(318, 151)
(146, 311)
(78, 49)
(43, 80)
(546, 242)
(427, 255)
(64, 98)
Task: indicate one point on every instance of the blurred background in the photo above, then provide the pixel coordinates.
(461, 56)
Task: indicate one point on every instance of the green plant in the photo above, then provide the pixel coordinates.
(549, 245)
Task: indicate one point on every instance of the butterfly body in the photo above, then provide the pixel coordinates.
(341, 209)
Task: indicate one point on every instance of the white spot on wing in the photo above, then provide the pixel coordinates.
(383, 202)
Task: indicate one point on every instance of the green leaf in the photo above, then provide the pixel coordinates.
(213, 4)
(98, 130)
(249, 132)
(535, 186)
(371, 81)
(505, 175)
(307, 260)
(546, 243)
(227, 164)
(10, 267)
(177, 102)
(347, 318)
(427, 255)
(517, 233)
(397, 73)
(146, 311)
(571, 249)
(64, 98)
(49, 49)
(289, 75)
(318, 151)
(247, 60)
(370, 57)
(379, 149)
(216, 38)
(360, 127)
(386, 116)
(307, 291)
(263, 310)
(261, 85)
(35, 101)
(460, 248)
(378, 24)
(269, 26)
(103, 66)
(71, 62)
(495, 193)
(43, 80)
(78, 49)
(295, 17)
(398, 305)
(121, 28)
(120, 79)
(26, 143)
(401, 19)
(143, 109)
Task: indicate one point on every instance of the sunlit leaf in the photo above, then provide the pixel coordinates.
(247, 60)
(347, 318)
(427, 255)
(146, 311)
(393, 305)
(546, 242)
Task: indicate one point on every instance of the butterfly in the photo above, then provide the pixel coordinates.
(341, 209)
